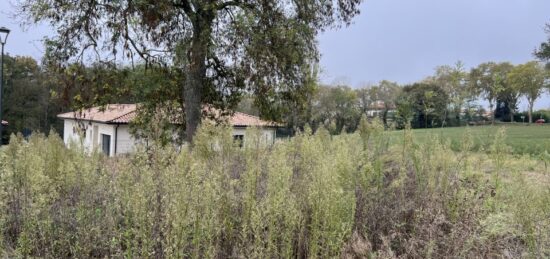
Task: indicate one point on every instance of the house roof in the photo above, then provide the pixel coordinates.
(240, 119)
(125, 113)
(4, 123)
(380, 105)
(111, 113)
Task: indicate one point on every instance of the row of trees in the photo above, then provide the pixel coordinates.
(220, 51)
(448, 98)
(504, 83)
(35, 93)
(27, 101)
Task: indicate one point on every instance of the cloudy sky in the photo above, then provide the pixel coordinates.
(398, 40)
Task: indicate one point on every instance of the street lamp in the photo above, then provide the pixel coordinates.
(4, 32)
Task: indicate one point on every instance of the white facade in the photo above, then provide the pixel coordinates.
(115, 139)
(92, 135)
(267, 134)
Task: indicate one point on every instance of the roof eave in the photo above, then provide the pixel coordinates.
(104, 122)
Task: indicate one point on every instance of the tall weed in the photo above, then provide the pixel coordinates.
(314, 195)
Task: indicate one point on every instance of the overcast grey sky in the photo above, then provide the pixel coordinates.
(403, 40)
(398, 40)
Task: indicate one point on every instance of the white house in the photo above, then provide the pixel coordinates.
(108, 128)
(376, 109)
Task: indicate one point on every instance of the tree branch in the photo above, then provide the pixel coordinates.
(186, 6)
(236, 3)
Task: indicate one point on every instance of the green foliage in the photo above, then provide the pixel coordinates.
(224, 48)
(543, 52)
(538, 114)
(335, 108)
(314, 195)
(27, 100)
(454, 81)
(529, 79)
(490, 80)
(423, 104)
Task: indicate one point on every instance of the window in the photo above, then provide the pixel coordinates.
(106, 144)
(239, 139)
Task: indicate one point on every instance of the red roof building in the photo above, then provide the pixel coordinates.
(107, 127)
(125, 113)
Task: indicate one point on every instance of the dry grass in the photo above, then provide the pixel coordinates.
(350, 196)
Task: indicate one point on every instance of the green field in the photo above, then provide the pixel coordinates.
(534, 139)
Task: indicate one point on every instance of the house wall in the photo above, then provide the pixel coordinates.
(106, 129)
(377, 113)
(91, 135)
(69, 132)
(268, 134)
(125, 142)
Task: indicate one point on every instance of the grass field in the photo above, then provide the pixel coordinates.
(534, 139)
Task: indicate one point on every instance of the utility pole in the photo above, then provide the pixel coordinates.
(4, 32)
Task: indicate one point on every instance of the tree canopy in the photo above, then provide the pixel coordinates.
(224, 47)
(423, 103)
(543, 51)
(489, 79)
(29, 102)
(529, 79)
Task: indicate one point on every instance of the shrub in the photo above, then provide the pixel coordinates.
(314, 195)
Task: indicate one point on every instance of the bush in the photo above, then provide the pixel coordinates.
(352, 195)
(540, 114)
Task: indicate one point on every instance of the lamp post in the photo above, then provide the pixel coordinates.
(4, 32)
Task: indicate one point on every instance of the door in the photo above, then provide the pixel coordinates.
(106, 144)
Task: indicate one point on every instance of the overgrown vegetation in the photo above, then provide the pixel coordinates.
(314, 195)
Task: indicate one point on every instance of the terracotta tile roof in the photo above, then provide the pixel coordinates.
(4, 123)
(107, 114)
(126, 118)
(240, 119)
(380, 105)
(124, 113)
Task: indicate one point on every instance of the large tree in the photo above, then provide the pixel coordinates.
(365, 97)
(454, 81)
(386, 92)
(29, 104)
(224, 47)
(424, 103)
(543, 52)
(335, 108)
(530, 79)
(508, 95)
(490, 80)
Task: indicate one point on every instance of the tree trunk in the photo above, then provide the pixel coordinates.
(511, 115)
(530, 112)
(444, 121)
(425, 115)
(194, 78)
(426, 120)
(457, 115)
(492, 112)
(385, 117)
(192, 101)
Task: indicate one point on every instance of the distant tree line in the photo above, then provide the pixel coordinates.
(34, 94)
(28, 104)
(447, 98)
